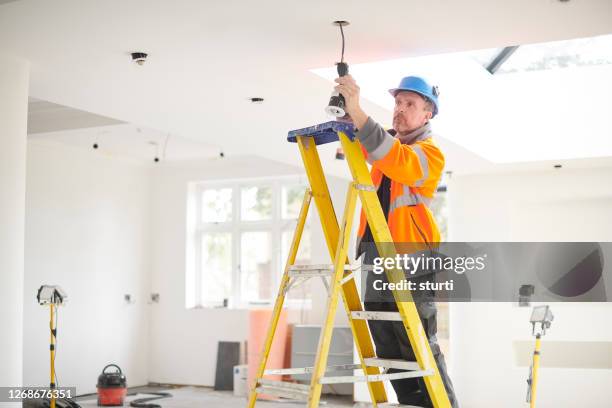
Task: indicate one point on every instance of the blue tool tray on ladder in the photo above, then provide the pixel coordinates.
(324, 132)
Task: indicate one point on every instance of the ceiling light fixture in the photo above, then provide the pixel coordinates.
(336, 104)
(139, 57)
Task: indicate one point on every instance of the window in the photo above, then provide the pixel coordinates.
(241, 238)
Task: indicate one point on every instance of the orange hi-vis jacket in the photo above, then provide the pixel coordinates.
(414, 169)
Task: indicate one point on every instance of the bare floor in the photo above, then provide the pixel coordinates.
(194, 397)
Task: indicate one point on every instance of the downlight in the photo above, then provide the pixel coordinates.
(139, 57)
(336, 104)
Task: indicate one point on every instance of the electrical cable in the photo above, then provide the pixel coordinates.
(144, 402)
(342, 34)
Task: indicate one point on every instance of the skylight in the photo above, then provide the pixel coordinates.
(578, 52)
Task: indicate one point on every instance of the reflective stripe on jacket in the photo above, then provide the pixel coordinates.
(414, 168)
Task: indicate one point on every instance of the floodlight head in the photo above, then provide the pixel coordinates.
(543, 316)
(51, 295)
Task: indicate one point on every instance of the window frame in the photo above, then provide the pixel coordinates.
(275, 226)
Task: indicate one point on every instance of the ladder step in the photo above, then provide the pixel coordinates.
(308, 370)
(326, 269)
(395, 404)
(365, 315)
(376, 377)
(391, 363)
(312, 268)
(282, 389)
(284, 385)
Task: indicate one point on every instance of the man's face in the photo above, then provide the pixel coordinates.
(410, 112)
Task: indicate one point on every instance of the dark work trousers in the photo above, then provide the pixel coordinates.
(391, 341)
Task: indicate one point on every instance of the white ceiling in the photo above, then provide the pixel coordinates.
(44, 117)
(130, 141)
(57, 123)
(207, 57)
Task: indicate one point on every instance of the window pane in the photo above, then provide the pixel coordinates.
(291, 201)
(257, 281)
(216, 266)
(304, 289)
(217, 205)
(574, 53)
(256, 203)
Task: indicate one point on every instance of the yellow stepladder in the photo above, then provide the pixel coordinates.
(341, 275)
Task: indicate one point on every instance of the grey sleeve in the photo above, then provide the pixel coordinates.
(375, 139)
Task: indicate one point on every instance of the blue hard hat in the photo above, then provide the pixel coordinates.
(420, 86)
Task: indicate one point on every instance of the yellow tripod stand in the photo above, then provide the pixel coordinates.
(542, 316)
(53, 296)
(52, 352)
(341, 281)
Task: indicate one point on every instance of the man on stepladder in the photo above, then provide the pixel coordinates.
(406, 168)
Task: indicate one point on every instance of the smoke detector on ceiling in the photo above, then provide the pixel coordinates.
(139, 57)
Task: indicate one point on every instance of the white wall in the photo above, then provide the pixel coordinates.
(87, 219)
(569, 204)
(14, 79)
(184, 341)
